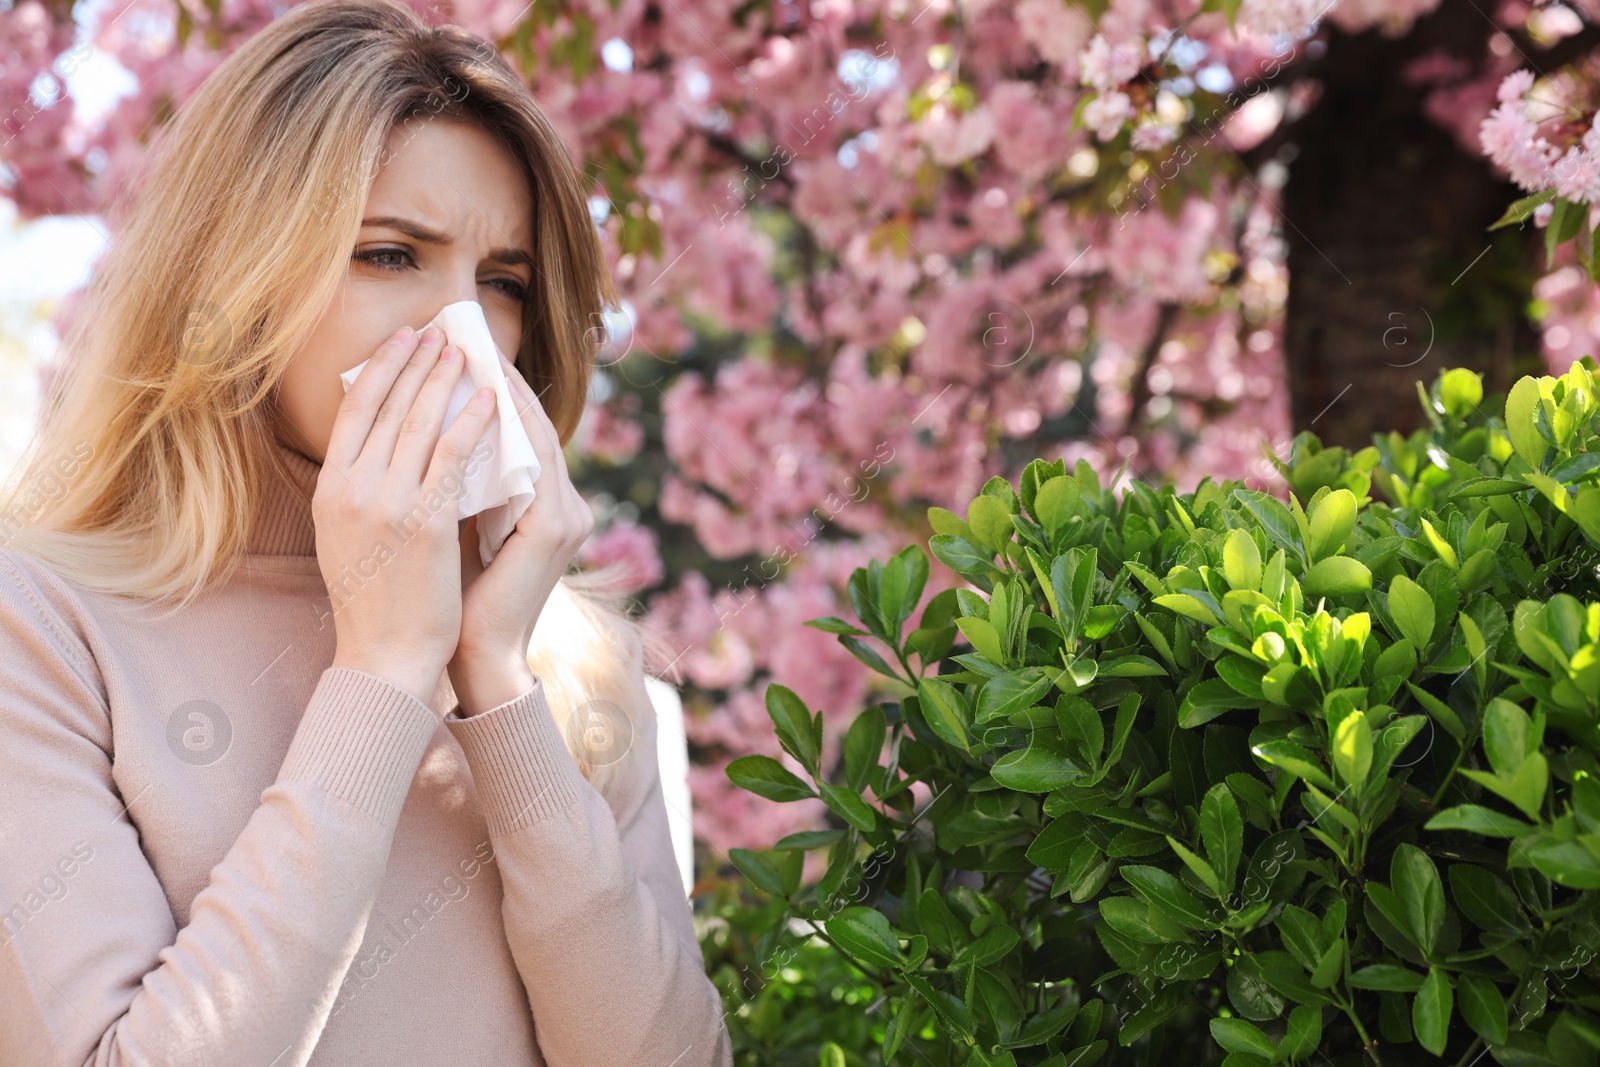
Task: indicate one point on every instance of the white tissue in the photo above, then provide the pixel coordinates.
(498, 490)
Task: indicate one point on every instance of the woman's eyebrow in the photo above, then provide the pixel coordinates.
(418, 232)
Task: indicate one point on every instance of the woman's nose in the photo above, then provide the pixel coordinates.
(462, 284)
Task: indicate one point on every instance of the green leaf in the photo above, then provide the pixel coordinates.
(1054, 846)
(1222, 830)
(904, 578)
(1302, 935)
(1250, 993)
(1505, 736)
(808, 839)
(1208, 699)
(761, 871)
(951, 1009)
(1202, 870)
(1236, 1035)
(1415, 881)
(1189, 607)
(1130, 917)
(1275, 519)
(1563, 225)
(983, 637)
(1352, 749)
(1042, 1027)
(1010, 692)
(945, 933)
(1487, 901)
(1242, 675)
(1483, 1008)
(1523, 209)
(869, 656)
(1056, 502)
(1303, 1035)
(849, 806)
(1338, 576)
(990, 521)
(1461, 391)
(961, 556)
(1330, 968)
(1526, 789)
(1294, 759)
(994, 943)
(1155, 1011)
(1440, 546)
(1088, 872)
(900, 1026)
(945, 710)
(1522, 405)
(863, 742)
(1332, 518)
(1241, 561)
(1131, 667)
(1164, 891)
(1479, 820)
(798, 732)
(1386, 977)
(1441, 712)
(1430, 1012)
(866, 935)
(765, 776)
(1566, 863)
(832, 624)
(1412, 610)
(1035, 770)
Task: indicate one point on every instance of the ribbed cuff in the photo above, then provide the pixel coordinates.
(361, 739)
(522, 768)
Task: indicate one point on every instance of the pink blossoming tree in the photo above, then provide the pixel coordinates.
(874, 254)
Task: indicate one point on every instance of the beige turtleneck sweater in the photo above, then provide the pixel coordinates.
(219, 849)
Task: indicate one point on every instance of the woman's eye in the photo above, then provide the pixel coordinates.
(373, 256)
(514, 289)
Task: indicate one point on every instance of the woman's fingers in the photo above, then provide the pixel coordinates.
(359, 408)
(453, 448)
(419, 437)
(397, 411)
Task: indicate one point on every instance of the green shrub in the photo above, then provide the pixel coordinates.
(1222, 778)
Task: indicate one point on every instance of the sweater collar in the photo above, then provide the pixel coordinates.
(283, 524)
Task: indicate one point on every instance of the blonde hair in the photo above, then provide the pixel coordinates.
(234, 237)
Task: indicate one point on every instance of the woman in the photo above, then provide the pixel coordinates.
(266, 824)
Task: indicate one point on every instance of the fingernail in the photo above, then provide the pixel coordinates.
(480, 399)
(403, 333)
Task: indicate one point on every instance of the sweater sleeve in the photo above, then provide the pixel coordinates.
(594, 910)
(93, 969)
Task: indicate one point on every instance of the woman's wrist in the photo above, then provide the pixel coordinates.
(484, 684)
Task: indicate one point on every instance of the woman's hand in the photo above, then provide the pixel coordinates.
(501, 604)
(387, 556)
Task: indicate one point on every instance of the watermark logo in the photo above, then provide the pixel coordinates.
(199, 733)
(603, 729)
(205, 334)
(1003, 331)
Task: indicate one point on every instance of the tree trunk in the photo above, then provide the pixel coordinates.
(1393, 275)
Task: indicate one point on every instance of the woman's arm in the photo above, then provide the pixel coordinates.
(594, 907)
(99, 974)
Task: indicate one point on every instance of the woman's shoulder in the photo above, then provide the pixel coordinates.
(41, 613)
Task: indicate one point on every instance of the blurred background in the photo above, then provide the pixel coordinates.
(874, 254)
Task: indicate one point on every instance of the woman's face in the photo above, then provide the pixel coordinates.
(448, 218)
